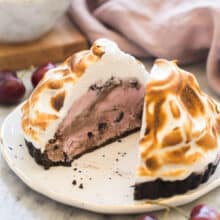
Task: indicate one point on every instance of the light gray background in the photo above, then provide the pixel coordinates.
(18, 202)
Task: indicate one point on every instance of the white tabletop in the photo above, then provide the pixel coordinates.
(18, 202)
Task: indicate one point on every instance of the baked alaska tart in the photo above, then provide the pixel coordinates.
(179, 144)
(95, 97)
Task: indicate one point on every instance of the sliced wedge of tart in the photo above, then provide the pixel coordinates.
(95, 97)
(179, 145)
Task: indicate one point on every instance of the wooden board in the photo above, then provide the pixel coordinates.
(58, 44)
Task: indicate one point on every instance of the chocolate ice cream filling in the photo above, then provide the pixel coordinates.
(106, 112)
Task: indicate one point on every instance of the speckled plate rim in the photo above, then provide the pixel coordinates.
(137, 207)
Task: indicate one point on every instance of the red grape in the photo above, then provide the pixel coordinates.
(11, 88)
(148, 217)
(203, 212)
(39, 73)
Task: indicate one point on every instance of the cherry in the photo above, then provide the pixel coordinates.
(148, 217)
(3, 73)
(39, 73)
(204, 212)
(11, 88)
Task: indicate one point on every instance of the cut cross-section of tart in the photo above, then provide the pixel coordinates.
(179, 145)
(93, 98)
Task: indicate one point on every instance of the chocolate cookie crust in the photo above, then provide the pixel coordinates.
(163, 189)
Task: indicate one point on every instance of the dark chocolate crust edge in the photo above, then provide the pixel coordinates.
(43, 160)
(162, 189)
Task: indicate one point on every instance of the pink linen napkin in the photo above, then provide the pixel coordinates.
(187, 30)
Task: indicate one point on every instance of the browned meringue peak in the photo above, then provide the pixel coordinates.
(181, 124)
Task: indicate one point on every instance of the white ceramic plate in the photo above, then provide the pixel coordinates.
(106, 174)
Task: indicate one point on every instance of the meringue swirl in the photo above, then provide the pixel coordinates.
(50, 102)
(180, 131)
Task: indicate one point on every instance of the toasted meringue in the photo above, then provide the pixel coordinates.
(50, 102)
(180, 127)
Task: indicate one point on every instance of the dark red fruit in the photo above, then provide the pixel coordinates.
(11, 88)
(148, 217)
(204, 212)
(3, 73)
(39, 73)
